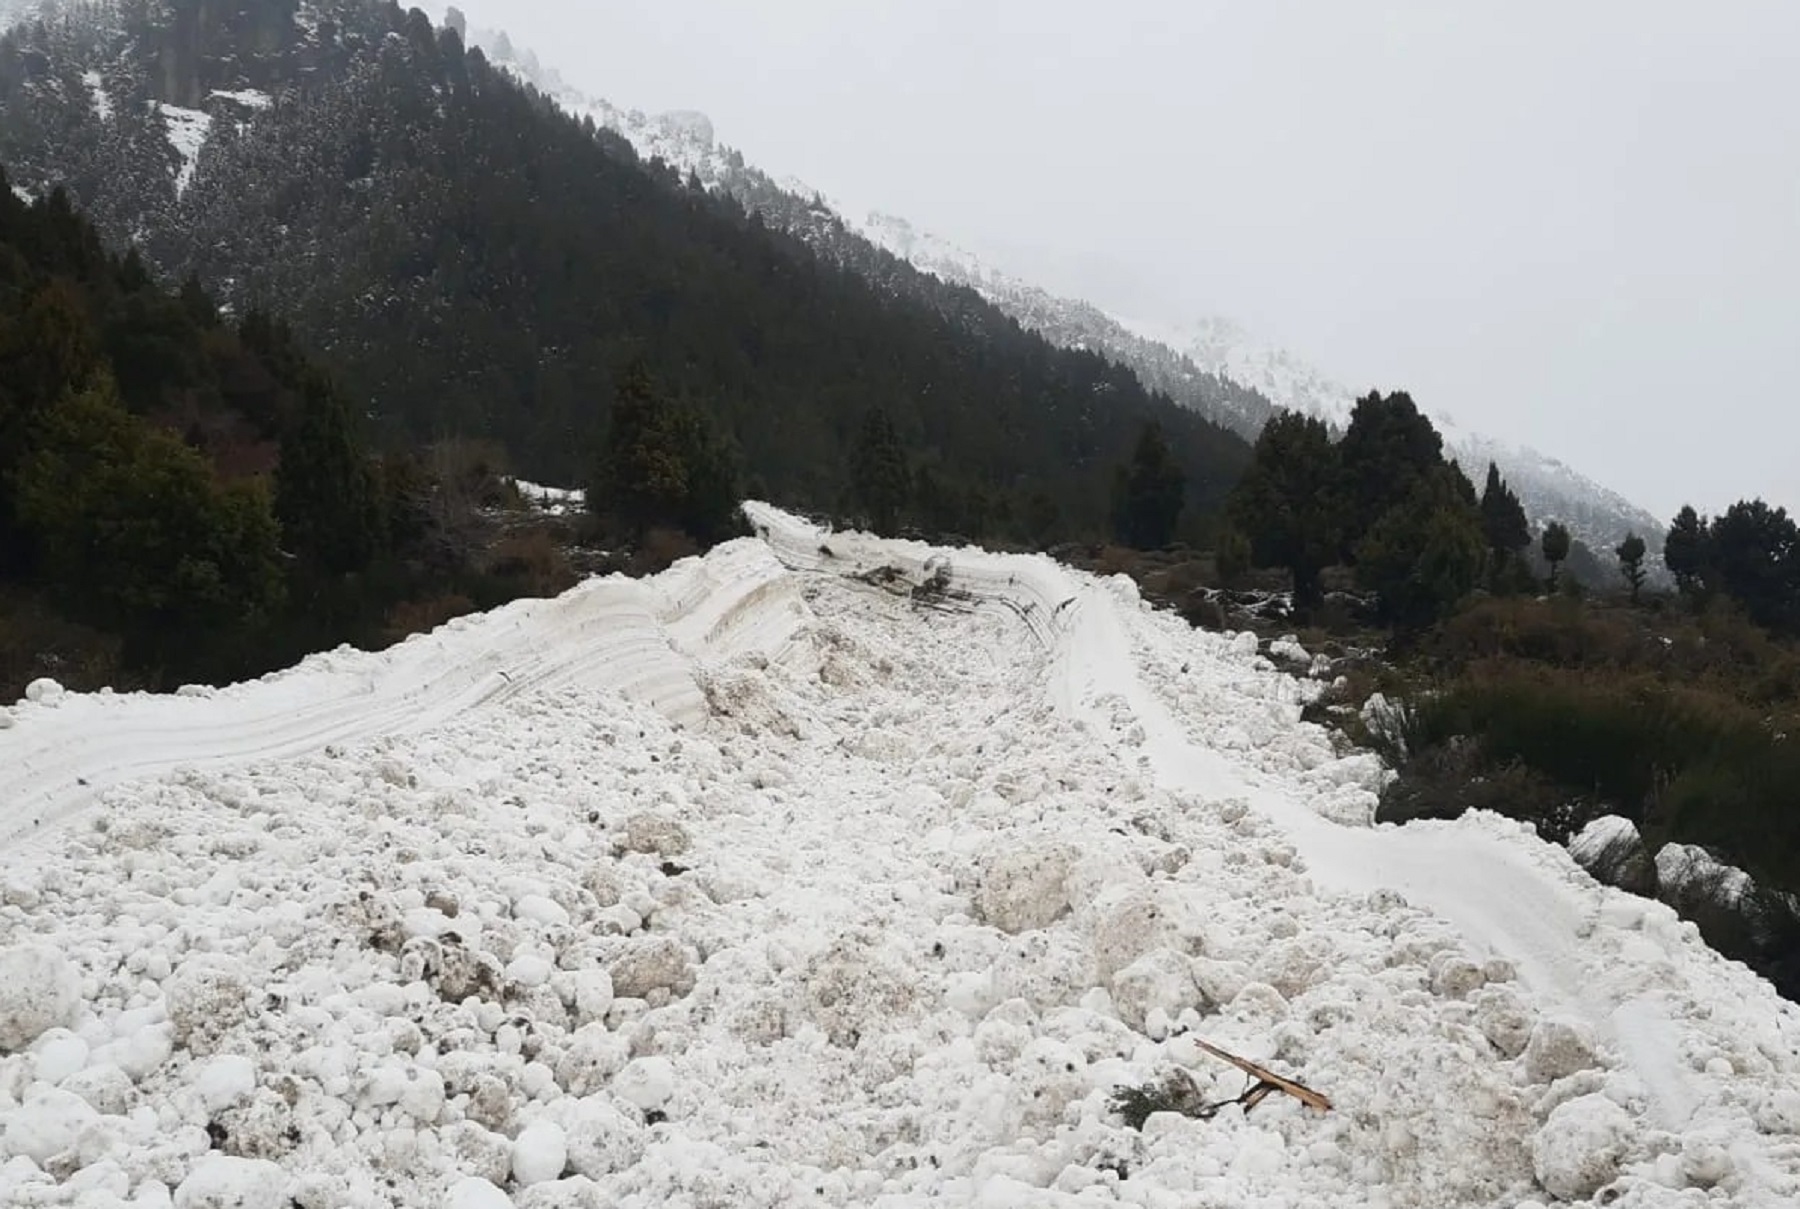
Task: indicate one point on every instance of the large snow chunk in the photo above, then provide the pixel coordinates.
(206, 1000)
(58, 1053)
(541, 909)
(648, 1083)
(649, 965)
(45, 691)
(1162, 980)
(39, 990)
(477, 1151)
(1025, 885)
(50, 1123)
(1559, 1048)
(592, 1058)
(1577, 1152)
(540, 1153)
(475, 1193)
(103, 1085)
(223, 1080)
(602, 1140)
(590, 994)
(1130, 921)
(655, 835)
(221, 1182)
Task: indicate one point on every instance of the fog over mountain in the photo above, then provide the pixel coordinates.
(1572, 229)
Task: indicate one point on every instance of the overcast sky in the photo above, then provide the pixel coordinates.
(1575, 225)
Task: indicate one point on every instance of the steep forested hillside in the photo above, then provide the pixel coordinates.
(173, 487)
(474, 262)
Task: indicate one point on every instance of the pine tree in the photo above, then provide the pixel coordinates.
(1556, 548)
(662, 464)
(1631, 553)
(1756, 553)
(1148, 493)
(1503, 520)
(1287, 505)
(1425, 553)
(325, 489)
(1388, 449)
(1508, 534)
(880, 483)
(1687, 551)
(138, 535)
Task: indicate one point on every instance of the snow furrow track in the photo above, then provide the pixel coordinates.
(58, 757)
(824, 870)
(1598, 958)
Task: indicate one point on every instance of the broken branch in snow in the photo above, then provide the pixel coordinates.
(1179, 1092)
(1267, 1081)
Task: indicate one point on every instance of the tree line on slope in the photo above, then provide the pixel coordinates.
(473, 262)
(184, 496)
(1522, 689)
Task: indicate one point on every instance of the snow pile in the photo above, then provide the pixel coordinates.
(555, 500)
(249, 98)
(187, 131)
(103, 106)
(880, 910)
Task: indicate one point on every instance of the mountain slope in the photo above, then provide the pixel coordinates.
(685, 141)
(1549, 489)
(477, 263)
(828, 898)
(1213, 366)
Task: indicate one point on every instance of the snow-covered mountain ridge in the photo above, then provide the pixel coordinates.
(1212, 365)
(686, 142)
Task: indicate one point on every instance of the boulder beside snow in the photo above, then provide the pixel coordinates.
(1611, 849)
(39, 990)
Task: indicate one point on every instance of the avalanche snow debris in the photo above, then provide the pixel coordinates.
(353, 937)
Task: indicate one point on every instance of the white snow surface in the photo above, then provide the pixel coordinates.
(559, 500)
(187, 131)
(758, 884)
(103, 106)
(249, 98)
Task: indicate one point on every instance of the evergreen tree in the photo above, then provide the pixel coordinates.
(1756, 553)
(1503, 520)
(1631, 553)
(662, 464)
(1425, 553)
(642, 478)
(1148, 493)
(325, 490)
(1687, 551)
(880, 484)
(47, 351)
(137, 534)
(1389, 448)
(1556, 548)
(1286, 503)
